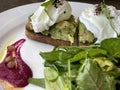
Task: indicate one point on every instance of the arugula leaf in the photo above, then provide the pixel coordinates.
(105, 10)
(112, 46)
(62, 64)
(93, 78)
(107, 13)
(69, 49)
(73, 53)
(91, 53)
(115, 73)
(74, 49)
(56, 55)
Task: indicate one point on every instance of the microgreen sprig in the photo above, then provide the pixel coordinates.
(69, 75)
(107, 14)
(46, 4)
(49, 2)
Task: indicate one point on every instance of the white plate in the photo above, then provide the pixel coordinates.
(12, 25)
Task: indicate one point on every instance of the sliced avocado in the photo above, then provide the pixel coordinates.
(63, 30)
(105, 63)
(84, 35)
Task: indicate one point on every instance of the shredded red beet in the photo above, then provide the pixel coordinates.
(13, 69)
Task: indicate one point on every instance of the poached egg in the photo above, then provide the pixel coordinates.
(44, 17)
(99, 24)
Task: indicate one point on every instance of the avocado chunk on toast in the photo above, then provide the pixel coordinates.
(64, 33)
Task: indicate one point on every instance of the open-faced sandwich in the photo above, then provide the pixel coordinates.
(53, 23)
(101, 20)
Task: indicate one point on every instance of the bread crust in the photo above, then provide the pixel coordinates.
(45, 39)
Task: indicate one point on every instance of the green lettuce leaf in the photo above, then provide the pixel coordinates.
(37, 81)
(112, 46)
(53, 81)
(90, 53)
(91, 77)
(56, 56)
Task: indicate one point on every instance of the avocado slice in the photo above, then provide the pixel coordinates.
(85, 37)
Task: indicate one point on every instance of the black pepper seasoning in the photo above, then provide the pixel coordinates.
(57, 3)
(98, 9)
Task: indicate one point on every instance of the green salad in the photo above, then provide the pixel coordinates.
(94, 67)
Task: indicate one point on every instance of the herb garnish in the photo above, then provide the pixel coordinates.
(69, 75)
(107, 14)
(46, 4)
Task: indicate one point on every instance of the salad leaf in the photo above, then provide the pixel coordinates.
(63, 53)
(51, 74)
(93, 78)
(108, 15)
(71, 49)
(105, 10)
(37, 81)
(56, 55)
(75, 49)
(82, 67)
(53, 83)
(91, 53)
(115, 73)
(112, 46)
